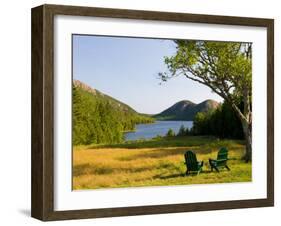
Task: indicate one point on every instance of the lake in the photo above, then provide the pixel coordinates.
(148, 131)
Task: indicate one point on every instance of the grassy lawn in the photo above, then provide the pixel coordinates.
(155, 162)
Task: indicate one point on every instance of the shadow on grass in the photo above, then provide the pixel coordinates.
(189, 141)
(171, 176)
(162, 153)
(169, 146)
(88, 169)
(177, 175)
(156, 153)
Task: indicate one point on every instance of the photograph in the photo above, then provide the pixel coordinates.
(160, 112)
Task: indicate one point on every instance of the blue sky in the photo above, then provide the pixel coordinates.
(127, 68)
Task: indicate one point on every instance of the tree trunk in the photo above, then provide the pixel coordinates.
(247, 124)
(247, 129)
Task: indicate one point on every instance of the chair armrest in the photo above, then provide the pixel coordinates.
(221, 160)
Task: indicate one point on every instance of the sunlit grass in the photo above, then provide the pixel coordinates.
(155, 162)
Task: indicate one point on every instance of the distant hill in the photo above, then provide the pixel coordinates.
(99, 118)
(99, 95)
(186, 110)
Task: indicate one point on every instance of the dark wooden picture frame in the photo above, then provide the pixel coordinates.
(42, 203)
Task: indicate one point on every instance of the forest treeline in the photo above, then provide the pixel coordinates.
(221, 122)
(97, 118)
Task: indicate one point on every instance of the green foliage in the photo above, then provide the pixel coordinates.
(187, 132)
(158, 137)
(99, 119)
(222, 122)
(170, 133)
(226, 67)
(93, 120)
(182, 131)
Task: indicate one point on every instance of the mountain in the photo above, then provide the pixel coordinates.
(99, 118)
(186, 110)
(103, 97)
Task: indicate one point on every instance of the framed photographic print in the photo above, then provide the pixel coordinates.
(141, 112)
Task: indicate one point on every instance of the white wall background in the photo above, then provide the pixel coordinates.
(15, 111)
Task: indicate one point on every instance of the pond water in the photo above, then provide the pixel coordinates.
(148, 131)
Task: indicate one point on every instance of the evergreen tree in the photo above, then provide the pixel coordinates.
(222, 122)
(170, 133)
(97, 120)
(182, 131)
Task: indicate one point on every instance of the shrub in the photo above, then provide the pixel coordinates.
(170, 133)
(182, 131)
(187, 132)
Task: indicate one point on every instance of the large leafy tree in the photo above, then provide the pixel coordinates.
(225, 67)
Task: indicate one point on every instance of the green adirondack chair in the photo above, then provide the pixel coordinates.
(221, 161)
(192, 165)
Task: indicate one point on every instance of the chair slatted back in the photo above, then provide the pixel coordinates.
(222, 155)
(191, 161)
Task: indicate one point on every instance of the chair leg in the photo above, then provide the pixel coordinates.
(216, 169)
(226, 166)
(211, 164)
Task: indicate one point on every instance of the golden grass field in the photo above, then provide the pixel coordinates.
(155, 162)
